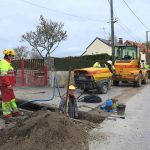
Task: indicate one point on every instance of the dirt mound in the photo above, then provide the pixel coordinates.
(45, 130)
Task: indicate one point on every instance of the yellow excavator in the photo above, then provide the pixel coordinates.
(129, 66)
(92, 78)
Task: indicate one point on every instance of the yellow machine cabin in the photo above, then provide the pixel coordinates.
(93, 78)
(129, 66)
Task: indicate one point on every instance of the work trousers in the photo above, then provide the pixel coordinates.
(9, 106)
(72, 107)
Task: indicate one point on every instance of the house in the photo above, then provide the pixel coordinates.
(98, 46)
(143, 51)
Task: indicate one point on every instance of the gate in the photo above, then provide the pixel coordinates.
(30, 72)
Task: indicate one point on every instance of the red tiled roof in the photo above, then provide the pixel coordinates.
(141, 46)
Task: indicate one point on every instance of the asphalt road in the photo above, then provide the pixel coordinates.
(132, 133)
(123, 92)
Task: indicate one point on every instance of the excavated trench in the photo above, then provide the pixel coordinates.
(46, 128)
(95, 115)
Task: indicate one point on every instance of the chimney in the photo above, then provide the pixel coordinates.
(120, 42)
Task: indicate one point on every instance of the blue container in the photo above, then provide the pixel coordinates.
(103, 106)
(109, 102)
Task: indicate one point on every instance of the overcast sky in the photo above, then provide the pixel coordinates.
(84, 20)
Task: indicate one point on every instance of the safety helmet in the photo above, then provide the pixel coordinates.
(109, 62)
(9, 52)
(72, 87)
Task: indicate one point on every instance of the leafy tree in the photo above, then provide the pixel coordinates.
(46, 38)
(21, 52)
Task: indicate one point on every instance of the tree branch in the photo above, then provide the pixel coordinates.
(54, 48)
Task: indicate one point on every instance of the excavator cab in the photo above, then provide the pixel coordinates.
(127, 53)
(128, 67)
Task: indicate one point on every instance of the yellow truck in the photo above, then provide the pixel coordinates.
(98, 79)
(128, 65)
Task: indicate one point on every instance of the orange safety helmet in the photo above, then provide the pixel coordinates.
(72, 87)
(9, 52)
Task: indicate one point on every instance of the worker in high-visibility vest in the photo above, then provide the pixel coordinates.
(146, 66)
(7, 82)
(97, 65)
(110, 66)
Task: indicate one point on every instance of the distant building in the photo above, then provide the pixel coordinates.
(98, 46)
(101, 46)
(143, 51)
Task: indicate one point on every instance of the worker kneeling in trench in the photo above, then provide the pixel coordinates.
(71, 108)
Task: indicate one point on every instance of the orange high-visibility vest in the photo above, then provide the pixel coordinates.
(7, 76)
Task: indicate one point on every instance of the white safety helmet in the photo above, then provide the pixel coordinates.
(109, 62)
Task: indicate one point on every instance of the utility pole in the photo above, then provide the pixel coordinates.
(147, 40)
(112, 31)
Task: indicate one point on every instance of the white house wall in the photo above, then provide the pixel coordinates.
(98, 47)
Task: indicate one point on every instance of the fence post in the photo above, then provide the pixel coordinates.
(45, 75)
(22, 72)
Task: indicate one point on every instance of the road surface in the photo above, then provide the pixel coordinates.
(132, 133)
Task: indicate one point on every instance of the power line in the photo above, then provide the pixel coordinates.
(62, 12)
(135, 14)
(122, 25)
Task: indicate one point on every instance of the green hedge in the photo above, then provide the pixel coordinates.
(62, 64)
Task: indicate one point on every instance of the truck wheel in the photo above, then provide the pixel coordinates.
(138, 83)
(145, 81)
(85, 90)
(124, 81)
(115, 83)
(104, 88)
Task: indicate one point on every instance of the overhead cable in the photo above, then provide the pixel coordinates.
(135, 15)
(62, 12)
(122, 25)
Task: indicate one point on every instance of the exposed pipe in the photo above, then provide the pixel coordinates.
(43, 100)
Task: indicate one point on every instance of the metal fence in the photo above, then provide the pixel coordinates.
(30, 72)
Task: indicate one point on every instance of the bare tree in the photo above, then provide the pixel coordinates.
(34, 54)
(21, 52)
(46, 38)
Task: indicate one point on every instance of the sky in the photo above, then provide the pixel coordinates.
(84, 20)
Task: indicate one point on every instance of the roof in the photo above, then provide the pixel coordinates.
(107, 42)
(141, 46)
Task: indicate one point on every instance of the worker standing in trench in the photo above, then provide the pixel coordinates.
(7, 82)
(72, 103)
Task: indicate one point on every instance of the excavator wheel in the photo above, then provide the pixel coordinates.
(104, 88)
(115, 83)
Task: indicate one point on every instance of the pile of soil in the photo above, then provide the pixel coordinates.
(45, 130)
